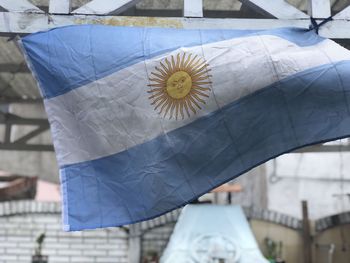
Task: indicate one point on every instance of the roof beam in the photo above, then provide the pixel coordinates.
(21, 23)
(18, 100)
(13, 68)
(319, 8)
(104, 7)
(24, 139)
(60, 6)
(2, 117)
(26, 147)
(279, 8)
(19, 6)
(21, 144)
(345, 14)
(193, 8)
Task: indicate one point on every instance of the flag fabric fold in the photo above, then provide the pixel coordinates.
(144, 120)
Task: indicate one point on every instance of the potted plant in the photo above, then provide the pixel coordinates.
(38, 257)
(274, 251)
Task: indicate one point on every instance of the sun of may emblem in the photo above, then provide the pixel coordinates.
(180, 85)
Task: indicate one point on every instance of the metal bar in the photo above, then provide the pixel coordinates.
(193, 8)
(26, 147)
(21, 23)
(319, 8)
(19, 6)
(279, 9)
(31, 135)
(103, 7)
(60, 6)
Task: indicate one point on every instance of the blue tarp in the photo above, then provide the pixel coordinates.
(212, 233)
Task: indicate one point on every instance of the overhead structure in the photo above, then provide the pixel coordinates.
(22, 17)
(19, 17)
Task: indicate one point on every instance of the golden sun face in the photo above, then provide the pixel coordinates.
(180, 85)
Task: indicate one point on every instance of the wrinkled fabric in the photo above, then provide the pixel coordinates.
(207, 232)
(131, 146)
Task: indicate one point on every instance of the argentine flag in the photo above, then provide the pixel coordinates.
(144, 120)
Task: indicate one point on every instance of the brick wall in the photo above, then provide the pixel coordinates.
(156, 239)
(23, 221)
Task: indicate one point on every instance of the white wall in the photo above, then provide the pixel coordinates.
(323, 179)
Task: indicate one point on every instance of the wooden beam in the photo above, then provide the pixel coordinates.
(2, 116)
(20, 23)
(228, 188)
(8, 100)
(345, 14)
(7, 136)
(319, 8)
(17, 120)
(26, 147)
(193, 8)
(24, 139)
(60, 6)
(19, 6)
(279, 8)
(21, 144)
(13, 68)
(306, 234)
(104, 7)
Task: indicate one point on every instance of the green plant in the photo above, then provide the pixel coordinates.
(273, 249)
(39, 244)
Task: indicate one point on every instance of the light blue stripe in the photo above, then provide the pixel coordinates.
(69, 57)
(150, 179)
(209, 221)
(65, 203)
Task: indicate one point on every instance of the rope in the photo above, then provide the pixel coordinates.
(315, 26)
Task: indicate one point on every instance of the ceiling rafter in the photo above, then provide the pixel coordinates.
(103, 7)
(21, 22)
(20, 6)
(279, 9)
(13, 68)
(24, 23)
(21, 144)
(345, 14)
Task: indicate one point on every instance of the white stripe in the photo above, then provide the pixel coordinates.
(113, 114)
